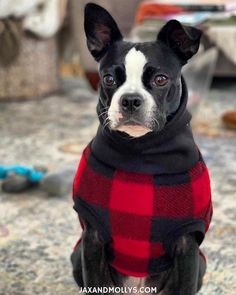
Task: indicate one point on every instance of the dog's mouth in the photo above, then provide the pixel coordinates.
(132, 122)
(133, 127)
(137, 125)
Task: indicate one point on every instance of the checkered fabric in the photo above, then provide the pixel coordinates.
(141, 215)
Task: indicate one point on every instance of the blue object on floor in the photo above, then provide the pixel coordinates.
(31, 174)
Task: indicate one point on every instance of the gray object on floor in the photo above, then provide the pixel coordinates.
(58, 184)
(16, 184)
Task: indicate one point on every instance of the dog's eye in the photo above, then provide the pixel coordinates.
(109, 80)
(160, 80)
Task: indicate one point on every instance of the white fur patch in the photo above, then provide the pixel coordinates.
(135, 61)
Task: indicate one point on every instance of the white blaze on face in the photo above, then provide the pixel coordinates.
(135, 61)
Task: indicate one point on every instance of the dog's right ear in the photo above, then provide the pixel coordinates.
(100, 29)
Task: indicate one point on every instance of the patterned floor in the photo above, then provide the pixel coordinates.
(37, 232)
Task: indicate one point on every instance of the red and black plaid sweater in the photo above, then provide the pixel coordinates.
(142, 194)
(141, 214)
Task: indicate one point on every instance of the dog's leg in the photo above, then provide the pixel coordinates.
(95, 268)
(189, 268)
(77, 265)
(202, 271)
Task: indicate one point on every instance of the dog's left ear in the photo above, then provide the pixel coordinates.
(183, 40)
(101, 30)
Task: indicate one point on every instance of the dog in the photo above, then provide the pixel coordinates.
(142, 189)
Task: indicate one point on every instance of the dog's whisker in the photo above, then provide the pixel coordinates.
(105, 124)
(106, 111)
(103, 113)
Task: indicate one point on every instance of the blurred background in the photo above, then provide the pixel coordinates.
(48, 96)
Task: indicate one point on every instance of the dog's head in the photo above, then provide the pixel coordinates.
(140, 82)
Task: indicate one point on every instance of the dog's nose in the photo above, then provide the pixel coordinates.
(131, 102)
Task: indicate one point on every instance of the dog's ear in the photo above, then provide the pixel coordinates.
(100, 29)
(183, 40)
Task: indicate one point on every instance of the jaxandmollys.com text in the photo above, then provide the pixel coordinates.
(119, 290)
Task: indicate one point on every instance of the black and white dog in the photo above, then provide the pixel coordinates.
(144, 129)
